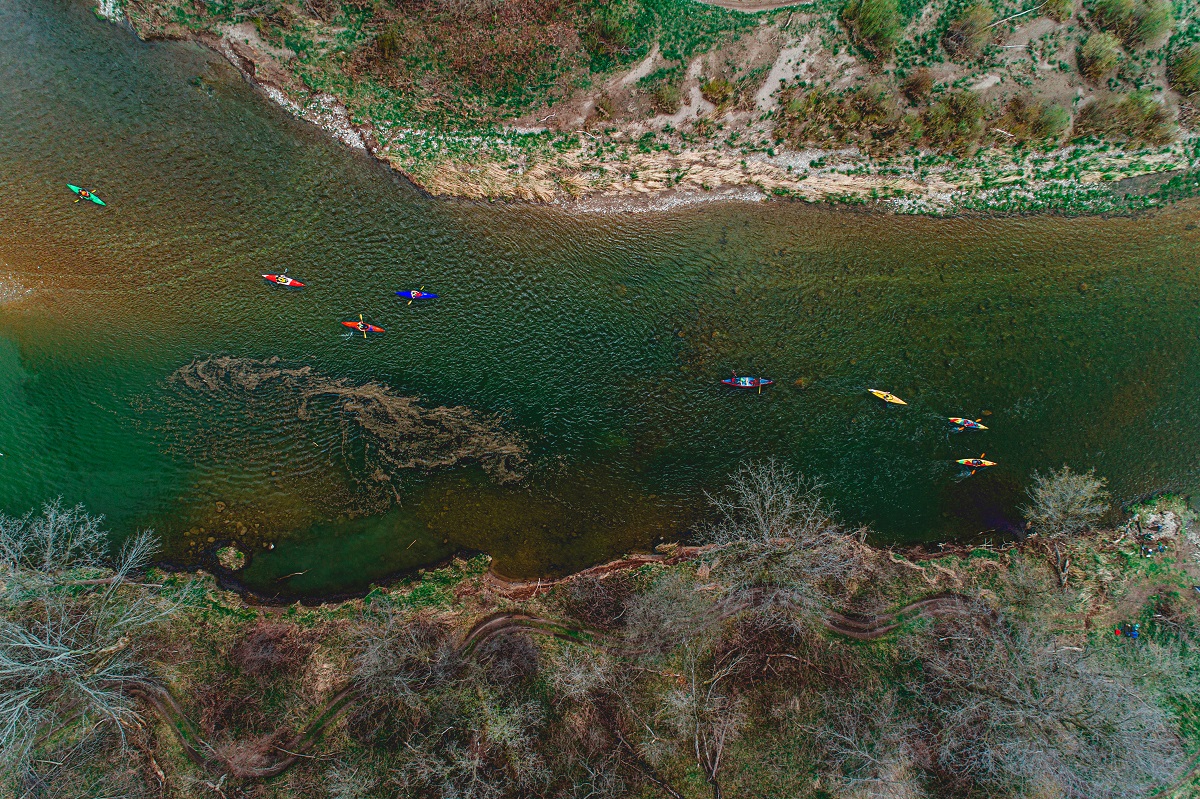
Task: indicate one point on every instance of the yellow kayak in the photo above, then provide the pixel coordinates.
(887, 396)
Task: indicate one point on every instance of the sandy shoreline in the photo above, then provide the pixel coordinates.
(590, 179)
(651, 182)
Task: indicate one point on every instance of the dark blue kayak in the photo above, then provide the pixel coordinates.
(416, 294)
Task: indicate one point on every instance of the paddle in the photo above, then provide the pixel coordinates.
(362, 325)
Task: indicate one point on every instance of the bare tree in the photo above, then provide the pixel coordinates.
(70, 650)
(1004, 708)
(703, 715)
(1065, 504)
(404, 657)
(864, 740)
(58, 539)
(778, 537)
(462, 731)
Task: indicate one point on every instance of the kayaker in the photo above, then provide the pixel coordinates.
(363, 327)
(84, 194)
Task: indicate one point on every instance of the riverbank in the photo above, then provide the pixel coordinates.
(713, 103)
(445, 680)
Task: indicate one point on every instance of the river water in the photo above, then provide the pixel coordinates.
(596, 341)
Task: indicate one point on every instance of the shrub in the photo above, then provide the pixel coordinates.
(956, 121)
(717, 91)
(388, 42)
(1137, 117)
(1098, 55)
(819, 116)
(1184, 71)
(667, 98)
(969, 32)
(1060, 10)
(1026, 118)
(509, 660)
(875, 24)
(269, 650)
(610, 35)
(918, 85)
(403, 658)
(598, 602)
(1135, 22)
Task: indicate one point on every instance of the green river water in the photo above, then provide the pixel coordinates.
(596, 340)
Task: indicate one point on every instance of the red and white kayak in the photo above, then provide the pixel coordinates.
(284, 280)
(363, 327)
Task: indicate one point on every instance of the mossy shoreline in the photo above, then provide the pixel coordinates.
(782, 656)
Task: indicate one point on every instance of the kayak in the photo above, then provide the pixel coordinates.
(363, 327)
(975, 463)
(967, 424)
(747, 382)
(416, 294)
(887, 396)
(90, 196)
(283, 280)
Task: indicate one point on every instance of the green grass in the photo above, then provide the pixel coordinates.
(1184, 71)
(1099, 55)
(876, 24)
(1137, 22)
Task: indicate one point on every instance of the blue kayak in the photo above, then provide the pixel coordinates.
(416, 294)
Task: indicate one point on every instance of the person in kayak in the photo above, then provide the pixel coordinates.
(363, 327)
(84, 194)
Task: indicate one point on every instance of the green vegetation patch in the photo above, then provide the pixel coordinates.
(1136, 22)
(956, 121)
(969, 32)
(875, 24)
(818, 116)
(1098, 55)
(1136, 118)
(1183, 71)
(1027, 118)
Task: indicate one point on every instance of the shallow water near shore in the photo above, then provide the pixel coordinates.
(597, 341)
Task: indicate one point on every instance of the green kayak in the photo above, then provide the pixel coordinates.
(84, 194)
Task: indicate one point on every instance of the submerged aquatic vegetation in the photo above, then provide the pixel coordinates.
(404, 434)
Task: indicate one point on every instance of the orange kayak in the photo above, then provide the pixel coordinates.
(363, 327)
